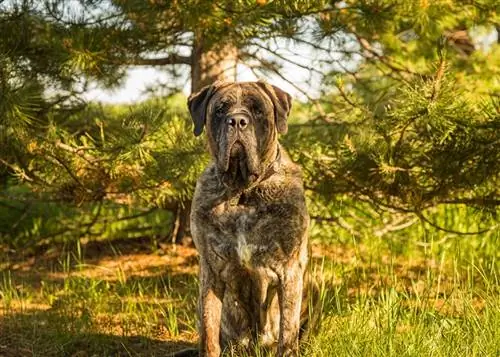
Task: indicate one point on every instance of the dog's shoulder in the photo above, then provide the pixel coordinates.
(209, 189)
(208, 179)
(285, 183)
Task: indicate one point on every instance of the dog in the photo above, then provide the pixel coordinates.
(249, 222)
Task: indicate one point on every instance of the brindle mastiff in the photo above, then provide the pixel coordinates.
(249, 221)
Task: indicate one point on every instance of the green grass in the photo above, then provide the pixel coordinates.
(414, 293)
(435, 311)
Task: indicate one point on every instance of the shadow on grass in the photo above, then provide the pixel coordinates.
(39, 333)
(113, 299)
(81, 322)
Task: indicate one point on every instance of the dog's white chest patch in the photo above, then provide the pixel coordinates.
(244, 250)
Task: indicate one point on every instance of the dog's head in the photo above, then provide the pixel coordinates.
(243, 121)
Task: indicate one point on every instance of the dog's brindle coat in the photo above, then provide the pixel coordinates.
(249, 221)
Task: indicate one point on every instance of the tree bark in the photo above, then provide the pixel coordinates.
(208, 64)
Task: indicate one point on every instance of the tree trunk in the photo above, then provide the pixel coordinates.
(208, 65)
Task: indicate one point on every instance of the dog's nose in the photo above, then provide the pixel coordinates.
(237, 121)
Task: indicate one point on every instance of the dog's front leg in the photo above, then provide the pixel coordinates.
(290, 299)
(211, 293)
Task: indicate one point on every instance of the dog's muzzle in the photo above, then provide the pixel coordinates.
(238, 173)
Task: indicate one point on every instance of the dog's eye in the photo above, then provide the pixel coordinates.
(257, 110)
(220, 110)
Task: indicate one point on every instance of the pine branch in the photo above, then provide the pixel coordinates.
(439, 228)
(94, 220)
(372, 53)
(395, 226)
(284, 58)
(338, 220)
(79, 151)
(57, 160)
(270, 66)
(162, 61)
(475, 201)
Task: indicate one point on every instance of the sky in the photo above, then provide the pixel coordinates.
(138, 79)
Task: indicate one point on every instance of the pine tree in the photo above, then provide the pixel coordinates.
(406, 119)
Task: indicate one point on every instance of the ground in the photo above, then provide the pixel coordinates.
(133, 298)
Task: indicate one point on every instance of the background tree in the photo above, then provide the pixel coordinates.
(385, 124)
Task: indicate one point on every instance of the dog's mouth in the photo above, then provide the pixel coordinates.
(238, 173)
(237, 151)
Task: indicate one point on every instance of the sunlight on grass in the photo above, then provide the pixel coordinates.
(384, 296)
(440, 313)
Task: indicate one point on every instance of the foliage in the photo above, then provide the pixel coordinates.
(108, 151)
(420, 152)
(105, 165)
(406, 118)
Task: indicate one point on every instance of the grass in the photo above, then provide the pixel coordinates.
(433, 306)
(381, 296)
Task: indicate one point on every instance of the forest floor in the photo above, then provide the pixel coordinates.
(132, 298)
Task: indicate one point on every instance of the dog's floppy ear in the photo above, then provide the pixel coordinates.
(197, 104)
(282, 102)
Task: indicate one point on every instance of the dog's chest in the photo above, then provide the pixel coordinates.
(247, 242)
(246, 234)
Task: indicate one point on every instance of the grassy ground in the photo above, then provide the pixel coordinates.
(380, 296)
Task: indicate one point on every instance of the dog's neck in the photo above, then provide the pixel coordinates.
(273, 167)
